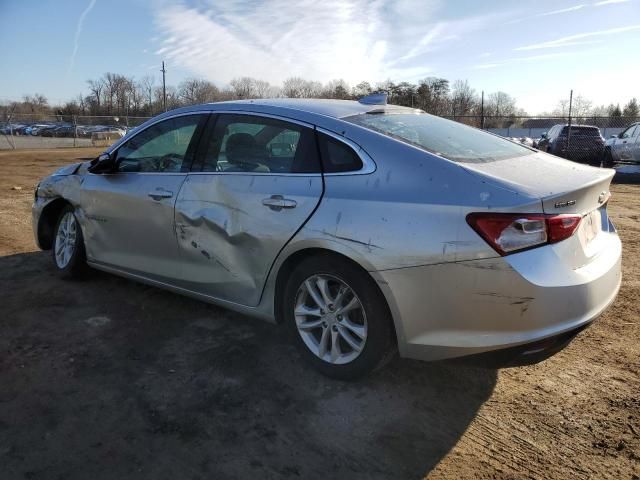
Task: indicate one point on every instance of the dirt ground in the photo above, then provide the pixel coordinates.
(108, 379)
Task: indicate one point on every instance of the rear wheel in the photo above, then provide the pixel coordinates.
(338, 317)
(68, 245)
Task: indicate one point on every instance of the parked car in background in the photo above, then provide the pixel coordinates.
(44, 131)
(624, 147)
(58, 131)
(363, 227)
(584, 143)
(104, 136)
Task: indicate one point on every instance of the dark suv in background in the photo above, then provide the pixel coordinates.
(584, 144)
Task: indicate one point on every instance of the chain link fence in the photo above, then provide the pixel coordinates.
(583, 141)
(25, 131)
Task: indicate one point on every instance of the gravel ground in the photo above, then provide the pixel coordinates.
(107, 379)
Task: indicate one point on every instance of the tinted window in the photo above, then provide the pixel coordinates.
(245, 143)
(337, 156)
(160, 148)
(446, 138)
(582, 131)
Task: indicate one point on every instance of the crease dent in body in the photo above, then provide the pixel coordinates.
(368, 244)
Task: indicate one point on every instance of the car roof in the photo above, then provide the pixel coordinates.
(301, 108)
(576, 125)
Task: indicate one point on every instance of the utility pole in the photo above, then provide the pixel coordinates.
(164, 88)
(569, 126)
(482, 111)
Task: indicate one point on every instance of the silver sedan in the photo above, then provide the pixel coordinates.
(362, 227)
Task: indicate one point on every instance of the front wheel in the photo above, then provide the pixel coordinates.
(338, 317)
(68, 245)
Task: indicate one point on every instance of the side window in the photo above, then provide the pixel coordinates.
(337, 156)
(247, 143)
(630, 132)
(163, 147)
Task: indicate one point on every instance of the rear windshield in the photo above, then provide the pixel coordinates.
(582, 131)
(451, 140)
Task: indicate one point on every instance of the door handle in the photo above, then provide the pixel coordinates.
(278, 202)
(160, 194)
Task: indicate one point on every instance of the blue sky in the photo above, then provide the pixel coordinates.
(536, 51)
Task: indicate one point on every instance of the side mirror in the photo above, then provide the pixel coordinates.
(543, 135)
(613, 136)
(103, 164)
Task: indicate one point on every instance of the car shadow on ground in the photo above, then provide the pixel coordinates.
(106, 378)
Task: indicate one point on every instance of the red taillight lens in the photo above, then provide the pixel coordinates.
(508, 232)
(562, 226)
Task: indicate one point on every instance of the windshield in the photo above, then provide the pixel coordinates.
(451, 140)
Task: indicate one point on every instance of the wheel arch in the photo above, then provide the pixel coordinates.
(47, 222)
(294, 259)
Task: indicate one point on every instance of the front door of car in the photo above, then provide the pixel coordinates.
(634, 145)
(129, 212)
(622, 145)
(255, 183)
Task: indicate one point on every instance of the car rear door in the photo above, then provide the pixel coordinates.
(129, 213)
(256, 182)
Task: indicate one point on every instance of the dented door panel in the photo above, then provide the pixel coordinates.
(126, 228)
(229, 236)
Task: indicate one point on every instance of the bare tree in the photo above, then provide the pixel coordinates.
(243, 87)
(297, 87)
(194, 91)
(146, 84)
(362, 89)
(581, 106)
(463, 98)
(336, 89)
(262, 88)
(96, 88)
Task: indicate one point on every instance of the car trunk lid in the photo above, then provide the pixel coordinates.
(561, 185)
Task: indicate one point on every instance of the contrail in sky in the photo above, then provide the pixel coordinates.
(78, 32)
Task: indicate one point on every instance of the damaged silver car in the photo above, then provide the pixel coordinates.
(361, 226)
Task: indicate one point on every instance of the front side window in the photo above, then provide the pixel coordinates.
(629, 132)
(161, 148)
(247, 143)
(451, 140)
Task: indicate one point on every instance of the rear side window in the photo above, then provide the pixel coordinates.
(337, 156)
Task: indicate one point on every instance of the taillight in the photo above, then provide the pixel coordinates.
(511, 232)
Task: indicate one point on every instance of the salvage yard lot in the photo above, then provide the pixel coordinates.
(109, 379)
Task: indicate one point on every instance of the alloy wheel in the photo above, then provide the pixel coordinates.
(330, 319)
(65, 243)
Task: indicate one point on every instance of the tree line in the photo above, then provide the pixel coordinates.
(114, 94)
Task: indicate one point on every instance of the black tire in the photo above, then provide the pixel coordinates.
(607, 161)
(380, 344)
(76, 266)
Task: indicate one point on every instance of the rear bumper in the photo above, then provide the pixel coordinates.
(527, 354)
(466, 308)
